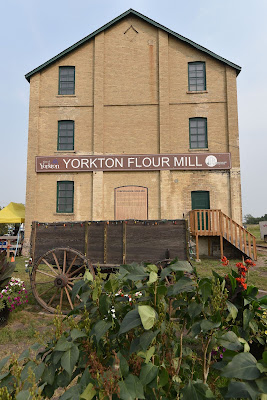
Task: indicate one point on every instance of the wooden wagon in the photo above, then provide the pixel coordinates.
(60, 252)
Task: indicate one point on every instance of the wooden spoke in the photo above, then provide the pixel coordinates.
(45, 273)
(43, 283)
(70, 288)
(77, 270)
(56, 261)
(73, 261)
(76, 278)
(46, 291)
(65, 261)
(68, 296)
(61, 298)
(52, 298)
(50, 266)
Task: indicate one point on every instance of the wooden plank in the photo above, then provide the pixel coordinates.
(232, 231)
(114, 243)
(249, 246)
(105, 242)
(245, 241)
(240, 238)
(197, 248)
(95, 250)
(236, 243)
(254, 248)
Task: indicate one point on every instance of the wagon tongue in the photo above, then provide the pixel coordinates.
(61, 281)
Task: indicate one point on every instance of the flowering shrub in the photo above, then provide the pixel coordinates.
(13, 295)
(133, 338)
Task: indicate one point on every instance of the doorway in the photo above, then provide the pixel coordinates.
(201, 201)
(131, 202)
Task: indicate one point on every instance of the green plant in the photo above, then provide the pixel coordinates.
(145, 334)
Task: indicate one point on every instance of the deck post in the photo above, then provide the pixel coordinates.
(197, 248)
(221, 233)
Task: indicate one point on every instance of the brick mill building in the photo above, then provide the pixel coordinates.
(132, 122)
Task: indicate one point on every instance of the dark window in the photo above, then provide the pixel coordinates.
(66, 80)
(65, 135)
(196, 76)
(198, 133)
(65, 192)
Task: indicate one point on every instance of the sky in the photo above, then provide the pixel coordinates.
(33, 31)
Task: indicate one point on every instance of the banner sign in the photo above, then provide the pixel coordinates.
(147, 162)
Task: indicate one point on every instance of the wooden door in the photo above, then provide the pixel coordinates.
(201, 201)
(131, 202)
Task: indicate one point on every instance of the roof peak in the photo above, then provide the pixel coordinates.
(114, 21)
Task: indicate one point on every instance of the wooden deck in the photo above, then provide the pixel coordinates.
(216, 223)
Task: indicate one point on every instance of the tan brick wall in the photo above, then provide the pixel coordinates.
(131, 84)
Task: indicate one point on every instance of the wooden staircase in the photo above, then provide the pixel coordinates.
(216, 223)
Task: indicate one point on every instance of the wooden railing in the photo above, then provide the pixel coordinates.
(216, 223)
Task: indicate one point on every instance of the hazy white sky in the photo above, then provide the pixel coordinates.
(33, 31)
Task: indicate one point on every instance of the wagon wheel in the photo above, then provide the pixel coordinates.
(53, 277)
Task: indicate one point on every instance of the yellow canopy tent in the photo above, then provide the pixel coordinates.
(14, 213)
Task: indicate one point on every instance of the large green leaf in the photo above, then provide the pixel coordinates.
(205, 286)
(153, 277)
(73, 393)
(146, 339)
(196, 391)
(148, 316)
(239, 390)
(104, 304)
(124, 367)
(248, 315)
(131, 388)
(4, 361)
(63, 344)
(232, 311)
(131, 320)
(148, 373)
(100, 329)
(89, 392)
(184, 266)
(183, 285)
(194, 309)
(76, 334)
(262, 385)
(70, 358)
(207, 325)
(136, 273)
(49, 374)
(163, 377)
(242, 366)
(230, 341)
(24, 395)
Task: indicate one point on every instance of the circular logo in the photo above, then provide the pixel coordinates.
(211, 161)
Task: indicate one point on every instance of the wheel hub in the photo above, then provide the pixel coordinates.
(61, 281)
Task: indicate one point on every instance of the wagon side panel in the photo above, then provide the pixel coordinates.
(153, 241)
(49, 236)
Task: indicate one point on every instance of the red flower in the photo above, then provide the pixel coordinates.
(249, 262)
(224, 260)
